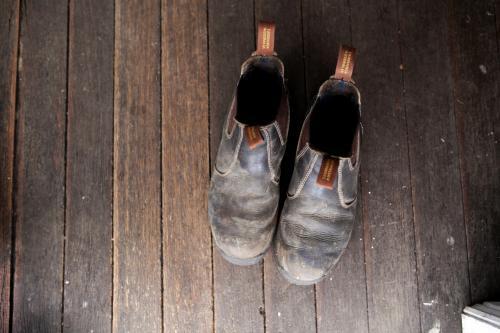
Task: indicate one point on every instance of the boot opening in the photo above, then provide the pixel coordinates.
(333, 124)
(259, 95)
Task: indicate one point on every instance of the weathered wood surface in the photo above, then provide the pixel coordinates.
(89, 168)
(9, 33)
(137, 294)
(187, 272)
(477, 108)
(111, 114)
(40, 167)
(434, 165)
(386, 191)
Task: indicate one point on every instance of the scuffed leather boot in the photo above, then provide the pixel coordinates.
(318, 214)
(244, 189)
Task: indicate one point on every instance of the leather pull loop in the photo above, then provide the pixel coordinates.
(265, 39)
(345, 63)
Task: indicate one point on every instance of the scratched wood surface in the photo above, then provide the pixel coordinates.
(110, 119)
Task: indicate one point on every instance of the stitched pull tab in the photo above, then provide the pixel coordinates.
(345, 63)
(327, 172)
(254, 137)
(265, 39)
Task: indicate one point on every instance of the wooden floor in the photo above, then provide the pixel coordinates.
(110, 117)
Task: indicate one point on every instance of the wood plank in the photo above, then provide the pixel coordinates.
(341, 298)
(40, 152)
(477, 108)
(386, 191)
(186, 237)
(9, 34)
(238, 291)
(433, 153)
(289, 308)
(89, 175)
(137, 282)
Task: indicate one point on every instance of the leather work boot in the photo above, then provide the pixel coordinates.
(318, 214)
(244, 189)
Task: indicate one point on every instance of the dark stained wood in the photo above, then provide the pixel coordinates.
(386, 191)
(137, 168)
(186, 236)
(89, 175)
(289, 308)
(435, 177)
(9, 33)
(341, 297)
(39, 198)
(238, 291)
(477, 74)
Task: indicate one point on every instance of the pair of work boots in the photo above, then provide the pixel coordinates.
(318, 214)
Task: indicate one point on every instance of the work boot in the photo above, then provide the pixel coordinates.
(244, 189)
(319, 212)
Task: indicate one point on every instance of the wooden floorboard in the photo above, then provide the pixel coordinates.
(341, 297)
(289, 308)
(238, 291)
(435, 176)
(477, 74)
(386, 191)
(187, 271)
(89, 168)
(137, 297)
(40, 167)
(9, 33)
(110, 118)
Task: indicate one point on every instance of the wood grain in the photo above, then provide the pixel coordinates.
(186, 235)
(386, 191)
(341, 297)
(89, 175)
(137, 281)
(238, 291)
(9, 33)
(40, 152)
(433, 153)
(289, 308)
(477, 74)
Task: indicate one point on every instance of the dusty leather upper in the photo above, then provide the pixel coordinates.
(244, 188)
(316, 222)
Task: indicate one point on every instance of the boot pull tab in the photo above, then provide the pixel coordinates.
(327, 172)
(345, 63)
(265, 39)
